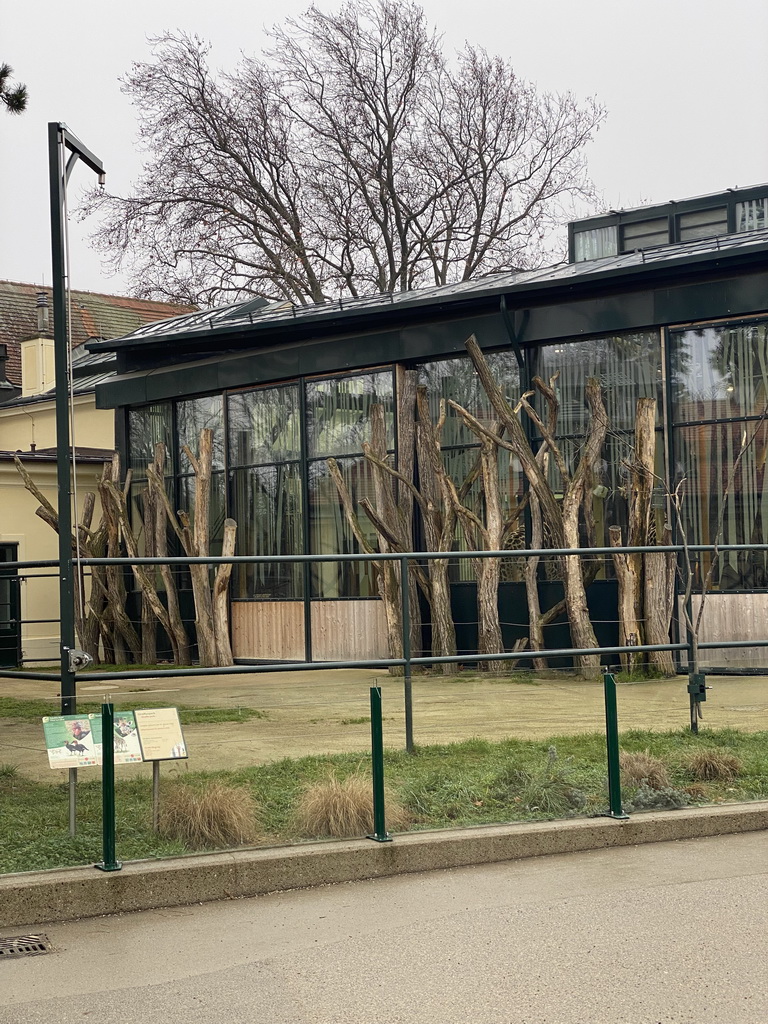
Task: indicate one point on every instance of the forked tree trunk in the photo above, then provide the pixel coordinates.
(628, 588)
(180, 639)
(659, 597)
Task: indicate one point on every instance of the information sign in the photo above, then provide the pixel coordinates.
(160, 734)
(73, 741)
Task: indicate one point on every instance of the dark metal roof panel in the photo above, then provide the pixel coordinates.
(238, 318)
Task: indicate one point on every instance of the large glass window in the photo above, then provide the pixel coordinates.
(457, 380)
(265, 482)
(628, 367)
(338, 424)
(719, 400)
(642, 234)
(719, 372)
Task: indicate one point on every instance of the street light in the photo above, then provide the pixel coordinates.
(64, 150)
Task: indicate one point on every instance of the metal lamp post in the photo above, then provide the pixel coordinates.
(64, 150)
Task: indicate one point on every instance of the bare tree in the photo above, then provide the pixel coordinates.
(353, 157)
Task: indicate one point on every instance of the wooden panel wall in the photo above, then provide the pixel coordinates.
(348, 630)
(733, 617)
(268, 630)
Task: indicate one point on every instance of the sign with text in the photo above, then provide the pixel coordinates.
(75, 741)
(160, 734)
(72, 741)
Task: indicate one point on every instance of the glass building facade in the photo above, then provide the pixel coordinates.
(271, 447)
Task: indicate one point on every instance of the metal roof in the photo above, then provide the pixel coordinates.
(243, 315)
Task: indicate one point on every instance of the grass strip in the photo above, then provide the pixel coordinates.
(460, 784)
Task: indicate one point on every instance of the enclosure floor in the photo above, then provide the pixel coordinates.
(326, 712)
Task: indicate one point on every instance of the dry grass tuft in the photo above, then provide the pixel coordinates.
(696, 791)
(217, 815)
(344, 807)
(641, 766)
(711, 765)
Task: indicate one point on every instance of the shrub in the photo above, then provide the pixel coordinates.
(648, 799)
(547, 788)
(216, 815)
(641, 766)
(344, 807)
(711, 764)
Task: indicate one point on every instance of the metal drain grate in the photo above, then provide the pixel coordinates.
(24, 945)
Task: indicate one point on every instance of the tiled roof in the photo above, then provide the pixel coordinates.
(93, 316)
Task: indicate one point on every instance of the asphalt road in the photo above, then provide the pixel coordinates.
(672, 932)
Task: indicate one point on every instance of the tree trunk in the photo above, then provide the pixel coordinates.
(198, 544)
(406, 451)
(148, 620)
(629, 589)
(220, 595)
(179, 639)
(659, 597)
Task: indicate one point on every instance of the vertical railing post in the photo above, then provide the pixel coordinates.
(109, 863)
(612, 747)
(405, 598)
(380, 834)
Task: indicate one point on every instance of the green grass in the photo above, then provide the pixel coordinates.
(471, 783)
(33, 710)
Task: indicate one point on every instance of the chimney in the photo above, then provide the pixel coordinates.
(42, 313)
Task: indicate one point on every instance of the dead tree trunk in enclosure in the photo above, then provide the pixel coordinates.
(89, 613)
(220, 592)
(148, 620)
(582, 633)
(195, 541)
(659, 598)
(562, 522)
(439, 518)
(156, 474)
(386, 582)
(489, 534)
(629, 587)
(406, 455)
(112, 497)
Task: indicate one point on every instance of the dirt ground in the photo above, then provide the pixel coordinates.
(327, 712)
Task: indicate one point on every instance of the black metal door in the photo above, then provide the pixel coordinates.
(10, 609)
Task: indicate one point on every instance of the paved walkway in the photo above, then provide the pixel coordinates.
(669, 932)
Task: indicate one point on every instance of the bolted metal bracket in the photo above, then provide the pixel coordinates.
(78, 660)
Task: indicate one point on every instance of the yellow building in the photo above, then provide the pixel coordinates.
(29, 603)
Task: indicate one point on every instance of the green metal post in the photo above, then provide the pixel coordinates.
(108, 788)
(612, 745)
(407, 684)
(380, 834)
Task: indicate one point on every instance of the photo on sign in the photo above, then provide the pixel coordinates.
(70, 741)
(126, 738)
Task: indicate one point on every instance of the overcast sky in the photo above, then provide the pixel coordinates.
(685, 83)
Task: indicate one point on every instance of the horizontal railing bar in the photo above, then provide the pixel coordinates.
(317, 666)
(394, 556)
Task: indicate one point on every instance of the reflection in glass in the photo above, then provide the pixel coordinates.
(264, 426)
(719, 372)
(330, 533)
(457, 379)
(628, 367)
(268, 503)
(704, 458)
(339, 412)
(148, 426)
(200, 414)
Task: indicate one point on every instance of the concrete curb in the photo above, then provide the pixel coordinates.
(60, 895)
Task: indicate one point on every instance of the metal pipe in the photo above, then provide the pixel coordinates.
(612, 748)
(380, 834)
(109, 863)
